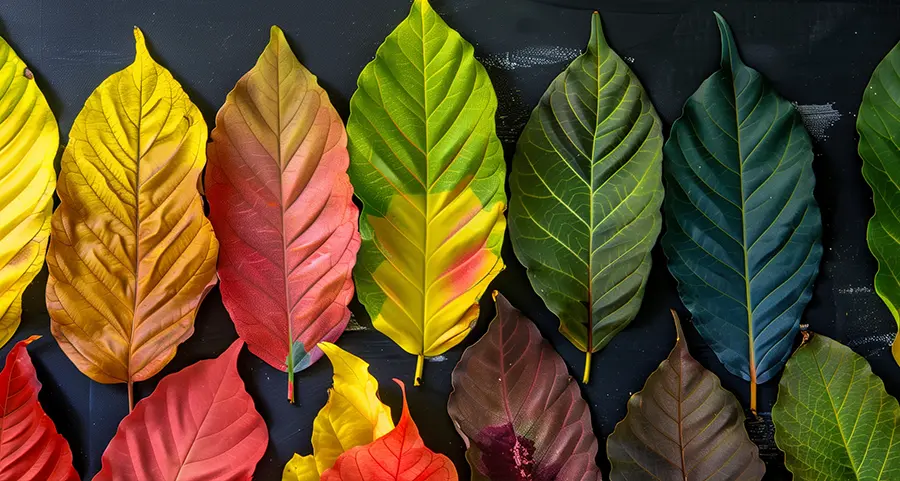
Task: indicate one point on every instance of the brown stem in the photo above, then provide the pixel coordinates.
(130, 394)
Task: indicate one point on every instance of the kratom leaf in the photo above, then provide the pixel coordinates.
(586, 190)
(353, 416)
(29, 139)
(878, 125)
(30, 447)
(742, 227)
(282, 207)
(131, 255)
(199, 424)
(683, 425)
(833, 419)
(427, 164)
(518, 410)
(399, 455)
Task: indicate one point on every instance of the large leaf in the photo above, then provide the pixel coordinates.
(683, 425)
(586, 191)
(426, 163)
(518, 410)
(399, 455)
(131, 254)
(30, 447)
(353, 416)
(878, 124)
(742, 227)
(282, 207)
(199, 424)
(29, 140)
(833, 419)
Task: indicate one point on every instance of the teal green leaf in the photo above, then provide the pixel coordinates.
(878, 124)
(833, 419)
(743, 231)
(586, 190)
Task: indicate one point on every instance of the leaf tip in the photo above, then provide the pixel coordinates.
(679, 334)
(31, 339)
(140, 43)
(276, 34)
(598, 40)
(730, 55)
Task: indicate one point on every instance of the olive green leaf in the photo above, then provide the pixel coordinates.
(833, 418)
(878, 124)
(743, 231)
(586, 192)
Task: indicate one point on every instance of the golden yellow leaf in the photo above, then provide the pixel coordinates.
(131, 255)
(29, 139)
(353, 416)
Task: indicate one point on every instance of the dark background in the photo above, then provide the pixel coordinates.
(817, 53)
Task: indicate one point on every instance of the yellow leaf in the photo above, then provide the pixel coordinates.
(29, 139)
(353, 416)
(131, 255)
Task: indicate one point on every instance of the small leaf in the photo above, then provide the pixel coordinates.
(31, 449)
(131, 255)
(399, 455)
(198, 425)
(518, 410)
(878, 124)
(833, 419)
(353, 416)
(29, 138)
(586, 191)
(683, 425)
(743, 231)
(282, 207)
(428, 167)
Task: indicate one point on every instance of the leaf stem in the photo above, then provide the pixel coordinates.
(753, 395)
(587, 367)
(291, 385)
(420, 364)
(130, 394)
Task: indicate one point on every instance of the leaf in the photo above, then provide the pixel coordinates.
(743, 232)
(282, 207)
(31, 449)
(29, 138)
(428, 167)
(586, 192)
(399, 455)
(877, 125)
(683, 425)
(131, 255)
(833, 418)
(198, 425)
(353, 416)
(519, 412)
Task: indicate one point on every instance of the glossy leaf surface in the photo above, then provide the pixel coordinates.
(131, 255)
(353, 416)
(683, 425)
(743, 229)
(199, 424)
(878, 124)
(30, 447)
(29, 139)
(833, 419)
(518, 410)
(427, 164)
(282, 207)
(586, 192)
(399, 455)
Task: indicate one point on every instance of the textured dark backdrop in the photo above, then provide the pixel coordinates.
(817, 53)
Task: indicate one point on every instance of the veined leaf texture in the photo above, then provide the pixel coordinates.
(282, 207)
(428, 167)
(29, 140)
(743, 229)
(518, 410)
(586, 194)
(131, 255)
(878, 125)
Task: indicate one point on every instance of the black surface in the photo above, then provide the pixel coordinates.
(814, 52)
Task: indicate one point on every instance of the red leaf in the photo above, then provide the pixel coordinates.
(399, 455)
(31, 449)
(198, 425)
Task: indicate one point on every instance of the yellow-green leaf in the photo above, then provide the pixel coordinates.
(29, 139)
(353, 416)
